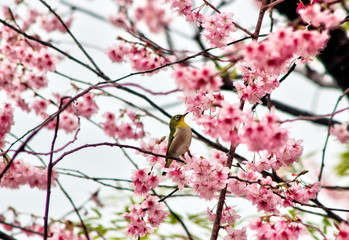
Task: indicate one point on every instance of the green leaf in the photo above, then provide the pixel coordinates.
(342, 167)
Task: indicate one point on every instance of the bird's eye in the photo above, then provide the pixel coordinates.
(177, 118)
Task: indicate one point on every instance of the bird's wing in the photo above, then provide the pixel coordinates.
(170, 139)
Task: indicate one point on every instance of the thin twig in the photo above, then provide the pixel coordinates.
(74, 39)
(49, 175)
(328, 134)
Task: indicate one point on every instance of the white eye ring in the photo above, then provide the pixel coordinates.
(177, 118)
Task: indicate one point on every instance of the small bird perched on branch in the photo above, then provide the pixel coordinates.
(179, 139)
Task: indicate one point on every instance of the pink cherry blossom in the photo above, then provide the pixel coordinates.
(133, 129)
(189, 78)
(143, 181)
(68, 122)
(154, 15)
(51, 23)
(235, 234)
(22, 173)
(154, 145)
(314, 15)
(86, 106)
(6, 121)
(117, 53)
(340, 131)
(185, 8)
(208, 177)
(141, 58)
(282, 229)
(270, 57)
(343, 231)
(256, 84)
(200, 101)
(150, 211)
(225, 124)
(217, 28)
(264, 134)
(229, 215)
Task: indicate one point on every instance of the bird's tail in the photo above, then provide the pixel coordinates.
(168, 163)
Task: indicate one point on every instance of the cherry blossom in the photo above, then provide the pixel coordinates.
(229, 215)
(314, 15)
(150, 211)
(154, 145)
(207, 178)
(143, 181)
(86, 106)
(264, 134)
(51, 23)
(154, 15)
(340, 131)
(22, 173)
(124, 130)
(190, 78)
(343, 231)
(200, 101)
(185, 8)
(6, 121)
(281, 229)
(235, 234)
(217, 28)
(140, 57)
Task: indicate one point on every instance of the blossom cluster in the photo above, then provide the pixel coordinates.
(141, 215)
(140, 57)
(208, 176)
(264, 61)
(274, 54)
(200, 101)
(23, 65)
(24, 62)
(6, 121)
(55, 232)
(263, 134)
(143, 181)
(283, 228)
(340, 131)
(314, 15)
(235, 234)
(22, 173)
(190, 78)
(282, 157)
(256, 84)
(124, 130)
(154, 145)
(185, 8)
(225, 124)
(228, 217)
(51, 23)
(266, 194)
(217, 28)
(153, 15)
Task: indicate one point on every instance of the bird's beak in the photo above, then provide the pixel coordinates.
(185, 114)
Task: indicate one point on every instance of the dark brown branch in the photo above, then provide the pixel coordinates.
(221, 200)
(4, 236)
(49, 175)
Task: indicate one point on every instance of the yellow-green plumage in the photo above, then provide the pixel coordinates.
(179, 139)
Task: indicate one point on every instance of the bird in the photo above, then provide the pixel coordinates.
(179, 139)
